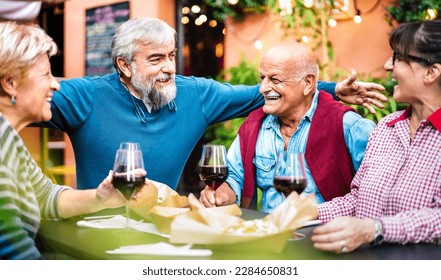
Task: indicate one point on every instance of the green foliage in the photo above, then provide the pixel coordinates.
(410, 10)
(222, 9)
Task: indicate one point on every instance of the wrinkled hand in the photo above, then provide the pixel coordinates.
(343, 234)
(223, 195)
(360, 93)
(108, 195)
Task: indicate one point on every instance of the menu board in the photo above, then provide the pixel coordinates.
(101, 24)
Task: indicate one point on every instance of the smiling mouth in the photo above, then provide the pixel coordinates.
(272, 97)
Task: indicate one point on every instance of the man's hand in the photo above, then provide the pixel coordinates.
(223, 195)
(360, 93)
(343, 234)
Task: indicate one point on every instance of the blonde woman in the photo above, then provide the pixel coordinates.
(26, 194)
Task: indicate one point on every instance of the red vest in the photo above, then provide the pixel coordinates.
(326, 152)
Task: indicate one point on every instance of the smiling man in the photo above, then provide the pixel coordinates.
(296, 117)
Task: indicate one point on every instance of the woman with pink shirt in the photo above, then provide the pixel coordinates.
(396, 193)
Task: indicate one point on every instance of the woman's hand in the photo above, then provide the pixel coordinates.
(343, 234)
(360, 93)
(108, 195)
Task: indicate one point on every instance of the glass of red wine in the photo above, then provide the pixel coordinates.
(290, 175)
(128, 172)
(213, 169)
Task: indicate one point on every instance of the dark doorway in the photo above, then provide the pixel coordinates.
(200, 40)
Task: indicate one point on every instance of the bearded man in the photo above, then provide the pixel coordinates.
(146, 102)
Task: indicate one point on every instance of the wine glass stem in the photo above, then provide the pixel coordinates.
(127, 214)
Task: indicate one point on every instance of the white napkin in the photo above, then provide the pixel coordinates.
(119, 221)
(162, 249)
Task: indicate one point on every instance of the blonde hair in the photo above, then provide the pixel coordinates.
(20, 45)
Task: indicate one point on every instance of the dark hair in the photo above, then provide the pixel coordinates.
(422, 37)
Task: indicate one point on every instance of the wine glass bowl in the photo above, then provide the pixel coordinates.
(213, 170)
(128, 171)
(290, 174)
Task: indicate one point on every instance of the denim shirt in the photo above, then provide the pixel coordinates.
(270, 143)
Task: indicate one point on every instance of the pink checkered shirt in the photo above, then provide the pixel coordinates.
(398, 182)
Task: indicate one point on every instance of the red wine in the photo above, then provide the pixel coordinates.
(213, 176)
(127, 186)
(287, 184)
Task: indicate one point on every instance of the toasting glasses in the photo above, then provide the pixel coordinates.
(128, 171)
(213, 165)
(290, 175)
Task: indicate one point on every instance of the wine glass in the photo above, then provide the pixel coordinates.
(213, 165)
(128, 172)
(290, 175)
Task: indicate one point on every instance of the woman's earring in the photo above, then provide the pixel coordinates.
(13, 102)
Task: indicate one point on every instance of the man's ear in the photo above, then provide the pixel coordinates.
(124, 67)
(9, 85)
(310, 81)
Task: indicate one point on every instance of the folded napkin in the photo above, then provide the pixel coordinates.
(162, 249)
(119, 221)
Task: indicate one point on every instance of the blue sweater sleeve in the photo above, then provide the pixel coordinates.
(222, 101)
(328, 87)
(72, 104)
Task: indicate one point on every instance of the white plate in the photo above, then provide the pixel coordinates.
(312, 223)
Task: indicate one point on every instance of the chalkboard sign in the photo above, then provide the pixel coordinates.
(101, 24)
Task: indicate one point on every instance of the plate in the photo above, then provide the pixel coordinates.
(312, 223)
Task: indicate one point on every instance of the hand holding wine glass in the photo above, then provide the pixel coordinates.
(128, 171)
(213, 165)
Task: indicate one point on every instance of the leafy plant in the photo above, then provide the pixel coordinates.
(222, 9)
(410, 10)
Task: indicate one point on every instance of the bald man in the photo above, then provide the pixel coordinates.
(296, 117)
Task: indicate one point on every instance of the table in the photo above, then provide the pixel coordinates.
(65, 237)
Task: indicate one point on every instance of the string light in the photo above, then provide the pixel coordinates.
(212, 23)
(431, 14)
(233, 2)
(308, 3)
(357, 18)
(185, 20)
(332, 22)
(258, 44)
(195, 9)
(185, 10)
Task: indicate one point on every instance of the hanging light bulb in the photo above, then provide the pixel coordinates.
(332, 22)
(258, 44)
(195, 9)
(357, 18)
(308, 3)
(185, 10)
(233, 2)
(431, 13)
(185, 20)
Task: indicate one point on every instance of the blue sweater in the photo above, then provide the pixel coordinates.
(98, 113)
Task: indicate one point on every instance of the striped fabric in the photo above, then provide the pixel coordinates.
(26, 195)
(399, 181)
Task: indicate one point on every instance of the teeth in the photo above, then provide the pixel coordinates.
(49, 99)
